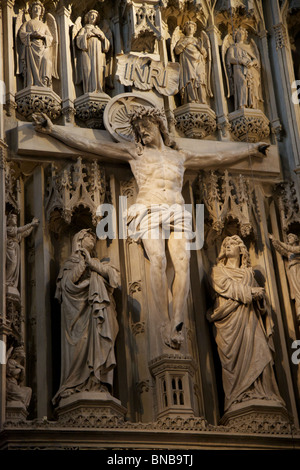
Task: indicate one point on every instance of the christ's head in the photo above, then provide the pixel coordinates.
(149, 127)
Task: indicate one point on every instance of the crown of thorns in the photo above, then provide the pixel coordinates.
(143, 111)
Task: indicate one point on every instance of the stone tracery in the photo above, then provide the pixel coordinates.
(210, 108)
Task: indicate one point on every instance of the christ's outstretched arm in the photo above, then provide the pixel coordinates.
(100, 148)
(227, 157)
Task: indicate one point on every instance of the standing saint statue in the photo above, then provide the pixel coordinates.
(158, 167)
(13, 257)
(90, 45)
(195, 59)
(37, 57)
(291, 250)
(242, 67)
(243, 328)
(88, 320)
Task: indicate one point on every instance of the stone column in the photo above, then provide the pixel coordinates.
(66, 77)
(283, 78)
(8, 48)
(269, 87)
(218, 85)
(42, 300)
(4, 329)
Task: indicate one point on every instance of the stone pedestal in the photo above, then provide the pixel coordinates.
(257, 416)
(195, 121)
(92, 409)
(15, 412)
(35, 99)
(173, 375)
(249, 125)
(90, 107)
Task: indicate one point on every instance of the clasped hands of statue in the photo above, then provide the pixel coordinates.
(96, 33)
(37, 35)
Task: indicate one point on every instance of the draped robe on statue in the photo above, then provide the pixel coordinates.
(37, 54)
(244, 341)
(246, 79)
(93, 60)
(13, 256)
(192, 78)
(89, 326)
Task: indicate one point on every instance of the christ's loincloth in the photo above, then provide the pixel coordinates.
(158, 221)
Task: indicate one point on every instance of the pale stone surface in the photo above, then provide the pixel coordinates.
(173, 396)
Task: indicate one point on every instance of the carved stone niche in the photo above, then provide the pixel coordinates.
(90, 108)
(228, 197)
(174, 385)
(195, 121)
(249, 125)
(89, 409)
(35, 99)
(144, 25)
(258, 416)
(77, 184)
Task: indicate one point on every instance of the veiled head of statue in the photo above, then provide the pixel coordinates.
(92, 17)
(34, 5)
(156, 116)
(79, 237)
(243, 252)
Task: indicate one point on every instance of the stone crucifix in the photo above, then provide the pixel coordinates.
(158, 167)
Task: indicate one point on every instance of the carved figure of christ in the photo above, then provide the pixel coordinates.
(158, 169)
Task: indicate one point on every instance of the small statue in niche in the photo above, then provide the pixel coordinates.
(15, 373)
(14, 236)
(291, 251)
(89, 324)
(195, 60)
(243, 327)
(90, 45)
(242, 67)
(38, 52)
